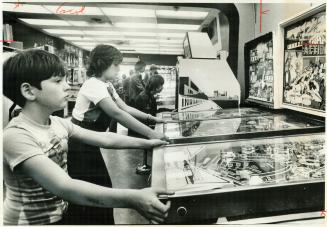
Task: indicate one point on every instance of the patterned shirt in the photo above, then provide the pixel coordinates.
(26, 202)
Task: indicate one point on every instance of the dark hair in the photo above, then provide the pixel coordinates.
(30, 66)
(154, 82)
(102, 57)
(154, 68)
(139, 65)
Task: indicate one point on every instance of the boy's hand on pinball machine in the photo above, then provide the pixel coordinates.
(159, 135)
(146, 202)
(157, 143)
(159, 120)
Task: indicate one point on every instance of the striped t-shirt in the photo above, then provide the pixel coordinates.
(26, 202)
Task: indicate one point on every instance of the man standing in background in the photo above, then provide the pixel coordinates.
(137, 82)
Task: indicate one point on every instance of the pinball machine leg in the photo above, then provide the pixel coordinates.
(221, 220)
(144, 168)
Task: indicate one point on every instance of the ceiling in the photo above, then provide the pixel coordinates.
(132, 28)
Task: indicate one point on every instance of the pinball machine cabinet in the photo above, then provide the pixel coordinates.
(233, 178)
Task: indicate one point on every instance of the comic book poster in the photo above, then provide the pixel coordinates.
(305, 63)
(260, 70)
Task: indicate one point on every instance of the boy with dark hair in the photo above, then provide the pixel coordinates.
(146, 102)
(35, 150)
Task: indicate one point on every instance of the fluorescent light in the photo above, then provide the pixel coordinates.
(140, 33)
(25, 8)
(179, 26)
(161, 49)
(127, 51)
(85, 44)
(61, 31)
(177, 14)
(66, 7)
(135, 25)
(108, 38)
(88, 32)
(171, 34)
(170, 45)
(72, 38)
(92, 44)
(160, 52)
(171, 41)
(137, 45)
(160, 26)
(88, 24)
(42, 22)
(155, 41)
(132, 12)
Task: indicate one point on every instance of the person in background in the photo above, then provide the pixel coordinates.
(137, 82)
(153, 70)
(38, 187)
(97, 103)
(118, 85)
(126, 85)
(146, 102)
(120, 91)
(121, 82)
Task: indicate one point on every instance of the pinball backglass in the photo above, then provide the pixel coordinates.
(259, 70)
(304, 73)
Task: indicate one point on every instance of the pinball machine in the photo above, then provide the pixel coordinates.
(265, 158)
(235, 178)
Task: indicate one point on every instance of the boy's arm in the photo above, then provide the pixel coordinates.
(54, 179)
(137, 113)
(113, 140)
(127, 120)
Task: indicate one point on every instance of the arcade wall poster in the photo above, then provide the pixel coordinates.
(259, 69)
(304, 72)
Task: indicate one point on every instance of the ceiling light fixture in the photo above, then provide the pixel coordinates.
(44, 22)
(62, 31)
(128, 12)
(88, 24)
(87, 11)
(179, 14)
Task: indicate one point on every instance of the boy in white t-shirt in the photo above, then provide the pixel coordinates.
(35, 150)
(97, 104)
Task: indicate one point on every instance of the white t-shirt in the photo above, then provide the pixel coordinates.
(26, 202)
(91, 93)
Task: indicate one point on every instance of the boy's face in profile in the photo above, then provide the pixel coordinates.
(53, 94)
(158, 89)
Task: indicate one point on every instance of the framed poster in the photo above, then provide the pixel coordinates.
(304, 62)
(259, 70)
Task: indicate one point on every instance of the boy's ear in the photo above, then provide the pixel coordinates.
(28, 91)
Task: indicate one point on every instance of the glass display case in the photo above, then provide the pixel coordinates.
(242, 177)
(212, 114)
(239, 127)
